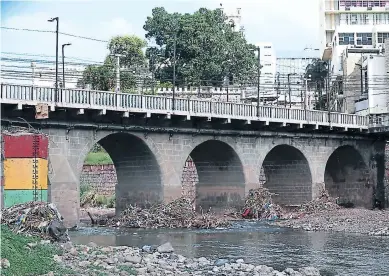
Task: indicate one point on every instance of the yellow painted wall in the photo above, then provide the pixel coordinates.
(18, 173)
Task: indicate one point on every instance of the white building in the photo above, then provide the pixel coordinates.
(268, 62)
(234, 17)
(362, 24)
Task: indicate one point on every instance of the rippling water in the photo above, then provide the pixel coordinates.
(332, 253)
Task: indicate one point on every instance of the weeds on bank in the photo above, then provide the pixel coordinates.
(90, 197)
(37, 260)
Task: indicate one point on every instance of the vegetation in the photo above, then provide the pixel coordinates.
(317, 72)
(207, 48)
(102, 77)
(98, 158)
(90, 197)
(35, 261)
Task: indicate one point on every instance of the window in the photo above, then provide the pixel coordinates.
(267, 47)
(364, 39)
(346, 38)
(267, 55)
(382, 36)
(268, 64)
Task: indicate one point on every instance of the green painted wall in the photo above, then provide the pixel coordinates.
(12, 197)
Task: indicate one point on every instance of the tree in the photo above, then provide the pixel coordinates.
(207, 49)
(317, 72)
(103, 77)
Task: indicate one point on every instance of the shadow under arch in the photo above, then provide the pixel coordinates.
(347, 177)
(220, 176)
(288, 175)
(138, 172)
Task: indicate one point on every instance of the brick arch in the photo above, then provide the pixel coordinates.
(347, 176)
(137, 167)
(288, 174)
(220, 174)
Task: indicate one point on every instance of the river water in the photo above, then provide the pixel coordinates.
(258, 243)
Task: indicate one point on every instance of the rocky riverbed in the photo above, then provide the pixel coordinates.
(350, 220)
(122, 260)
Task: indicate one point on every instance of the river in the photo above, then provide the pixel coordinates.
(258, 243)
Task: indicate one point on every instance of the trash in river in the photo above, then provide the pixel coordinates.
(176, 214)
(259, 205)
(37, 219)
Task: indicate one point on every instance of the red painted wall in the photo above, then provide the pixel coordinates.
(21, 146)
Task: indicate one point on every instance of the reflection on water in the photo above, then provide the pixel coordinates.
(332, 253)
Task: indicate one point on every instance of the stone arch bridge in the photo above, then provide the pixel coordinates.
(299, 151)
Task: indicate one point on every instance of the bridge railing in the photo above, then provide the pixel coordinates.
(80, 98)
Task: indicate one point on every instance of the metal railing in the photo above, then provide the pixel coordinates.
(79, 98)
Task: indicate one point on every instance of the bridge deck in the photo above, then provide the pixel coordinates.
(135, 103)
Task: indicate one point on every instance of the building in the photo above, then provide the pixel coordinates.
(294, 68)
(268, 62)
(351, 24)
(234, 17)
(352, 32)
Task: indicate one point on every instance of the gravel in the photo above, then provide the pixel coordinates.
(123, 260)
(351, 220)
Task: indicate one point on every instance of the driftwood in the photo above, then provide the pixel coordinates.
(176, 214)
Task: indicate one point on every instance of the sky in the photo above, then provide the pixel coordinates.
(291, 25)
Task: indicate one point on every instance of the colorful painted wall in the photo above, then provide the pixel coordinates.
(25, 167)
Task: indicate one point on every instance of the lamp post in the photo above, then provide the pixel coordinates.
(63, 63)
(174, 71)
(56, 57)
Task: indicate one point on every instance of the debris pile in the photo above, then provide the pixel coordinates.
(176, 214)
(322, 203)
(259, 205)
(36, 219)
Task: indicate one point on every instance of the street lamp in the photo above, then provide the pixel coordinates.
(63, 63)
(56, 57)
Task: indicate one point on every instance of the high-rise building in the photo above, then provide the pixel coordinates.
(362, 24)
(234, 17)
(268, 62)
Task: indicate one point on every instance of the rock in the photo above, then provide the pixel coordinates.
(215, 269)
(291, 272)
(73, 251)
(133, 259)
(67, 245)
(32, 244)
(309, 271)
(239, 261)
(146, 248)
(45, 242)
(92, 245)
(5, 263)
(165, 248)
(83, 264)
(221, 262)
(111, 261)
(57, 258)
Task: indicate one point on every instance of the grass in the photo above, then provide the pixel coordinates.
(98, 158)
(24, 261)
(128, 269)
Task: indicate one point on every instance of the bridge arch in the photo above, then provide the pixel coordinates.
(287, 174)
(215, 174)
(347, 177)
(138, 172)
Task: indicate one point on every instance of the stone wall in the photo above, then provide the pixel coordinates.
(100, 177)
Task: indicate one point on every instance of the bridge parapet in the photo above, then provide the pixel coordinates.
(136, 103)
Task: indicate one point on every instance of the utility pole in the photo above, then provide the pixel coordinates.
(56, 57)
(174, 71)
(278, 86)
(63, 63)
(33, 78)
(259, 78)
(118, 56)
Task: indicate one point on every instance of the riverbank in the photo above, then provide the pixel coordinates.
(350, 220)
(23, 255)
